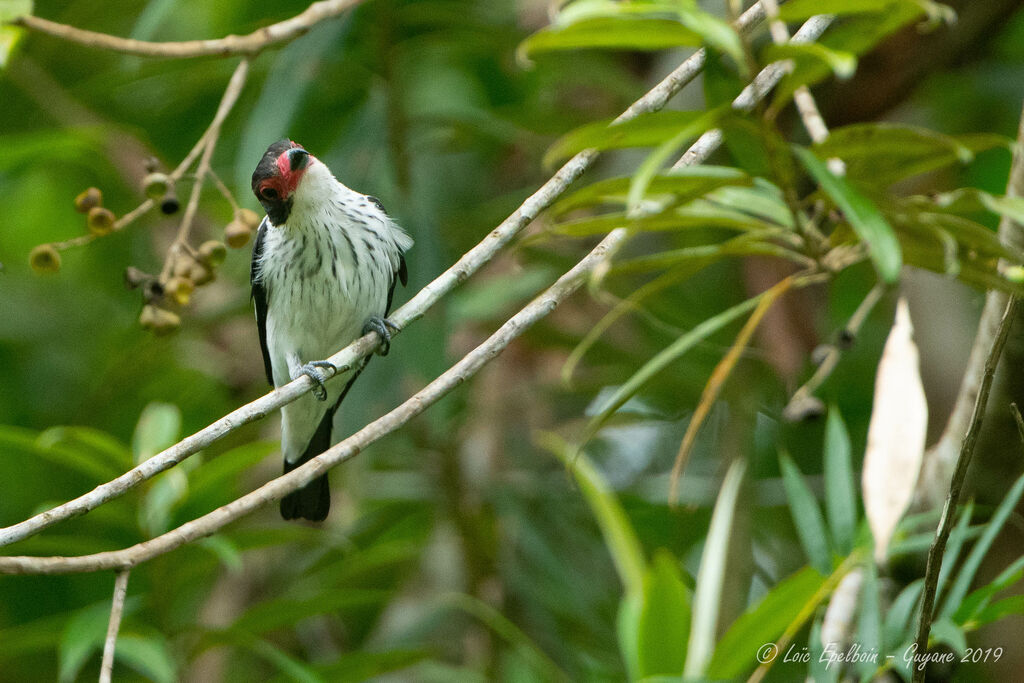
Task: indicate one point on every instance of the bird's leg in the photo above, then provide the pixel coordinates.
(313, 371)
(383, 327)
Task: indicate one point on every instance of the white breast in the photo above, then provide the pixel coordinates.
(326, 271)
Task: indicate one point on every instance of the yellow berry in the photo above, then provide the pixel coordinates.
(237, 234)
(159, 320)
(213, 252)
(44, 259)
(199, 273)
(100, 221)
(88, 199)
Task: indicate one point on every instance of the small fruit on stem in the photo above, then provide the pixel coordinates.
(213, 253)
(88, 199)
(44, 259)
(156, 185)
(100, 221)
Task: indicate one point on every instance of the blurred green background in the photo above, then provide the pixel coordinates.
(458, 548)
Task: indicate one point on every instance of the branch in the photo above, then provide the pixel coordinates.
(248, 45)
(276, 489)
(991, 338)
(939, 459)
(938, 548)
(345, 359)
(116, 609)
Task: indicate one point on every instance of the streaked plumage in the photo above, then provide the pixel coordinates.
(325, 261)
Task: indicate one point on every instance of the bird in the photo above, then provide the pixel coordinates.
(325, 263)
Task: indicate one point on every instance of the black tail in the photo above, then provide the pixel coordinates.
(313, 500)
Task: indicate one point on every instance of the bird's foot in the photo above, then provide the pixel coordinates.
(313, 371)
(383, 327)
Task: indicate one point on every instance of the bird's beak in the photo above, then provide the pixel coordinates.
(298, 159)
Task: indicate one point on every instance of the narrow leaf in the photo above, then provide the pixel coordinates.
(664, 624)
(621, 33)
(707, 597)
(810, 527)
(840, 491)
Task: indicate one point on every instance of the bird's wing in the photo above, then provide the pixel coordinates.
(400, 275)
(259, 298)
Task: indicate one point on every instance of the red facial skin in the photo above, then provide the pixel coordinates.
(286, 180)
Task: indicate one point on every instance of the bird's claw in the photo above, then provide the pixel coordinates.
(313, 371)
(383, 327)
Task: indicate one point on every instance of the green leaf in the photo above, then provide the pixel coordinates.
(763, 623)
(707, 598)
(97, 442)
(799, 10)
(646, 130)
(16, 439)
(12, 9)
(285, 611)
(288, 665)
(980, 549)
(663, 626)
(840, 489)
(620, 33)
(979, 599)
(10, 36)
(627, 626)
(810, 527)
(681, 184)
(865, 219)
(716, 33)
(763, 200)
(883, 153)
(158, 428)
(619, 536)
(149, 656)
(1006, 607)
(842, 64)
(660, 361)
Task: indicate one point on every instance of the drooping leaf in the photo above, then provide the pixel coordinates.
(840, 491)
(902, 616)
(807, 519)
(149, 655)
(864, 217)
(896, 433)
(979, 599)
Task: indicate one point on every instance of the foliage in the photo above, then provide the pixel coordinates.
(460, 548)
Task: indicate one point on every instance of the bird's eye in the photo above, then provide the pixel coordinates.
(268, 193)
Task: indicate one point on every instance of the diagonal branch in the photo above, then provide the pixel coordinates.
(250, 44)
(278, 488)
(116, 611)
(345, 359)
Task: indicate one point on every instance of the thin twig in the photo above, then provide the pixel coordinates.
(1018, 420)
(248, 45)
(223, 189)
(415, 308)
(797, 407)
(209, 143)
(938, 548)
(116, 610)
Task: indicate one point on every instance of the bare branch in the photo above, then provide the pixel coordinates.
(277, 488)
(249, 45)
(993, 331)
(116, 610)
(346, 358)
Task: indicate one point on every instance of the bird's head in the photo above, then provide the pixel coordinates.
(277, 177)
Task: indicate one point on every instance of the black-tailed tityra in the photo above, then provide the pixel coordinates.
(324, 268)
